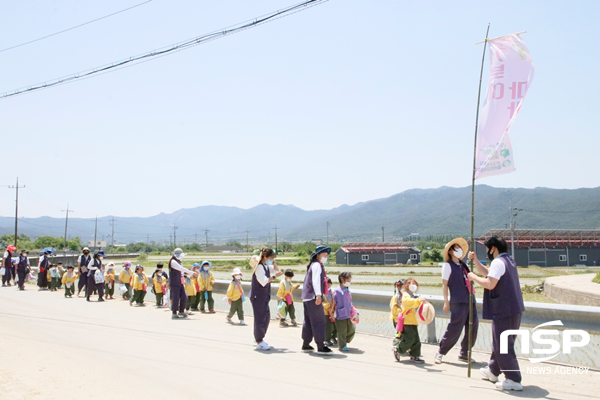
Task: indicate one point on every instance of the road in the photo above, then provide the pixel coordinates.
(57, 348)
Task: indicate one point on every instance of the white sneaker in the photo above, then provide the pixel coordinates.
(242, 322)
(263, 346)
(509, 385)
(487, 374)
(438, 358)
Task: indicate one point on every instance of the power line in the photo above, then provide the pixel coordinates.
(75, 27)
(169, 49)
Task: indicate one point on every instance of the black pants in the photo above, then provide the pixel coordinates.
(315, 325)
(262, 317)
(459, 319)
(178, 298)
(21, 282)
(8, 275)
(92, 286)
(82, 281)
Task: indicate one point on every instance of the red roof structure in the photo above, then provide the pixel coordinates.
(544, 238)
(377, 248)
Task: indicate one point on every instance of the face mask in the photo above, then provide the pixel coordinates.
(206, 268)
(413, 288)
(269, 262)
(490, 256)
(323, 260)
(347, 284)
(458, 254)
(237, 277)
(288, 279)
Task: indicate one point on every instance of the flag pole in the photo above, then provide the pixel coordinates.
(473, 207)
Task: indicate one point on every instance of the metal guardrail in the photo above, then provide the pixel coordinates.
(572, 316)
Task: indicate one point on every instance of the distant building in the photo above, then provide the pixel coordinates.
(548, 247)
(223, 249)
(377, 254)
(318, 242)
(98, 243)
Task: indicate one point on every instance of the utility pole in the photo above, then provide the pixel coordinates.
(170, 240)
(175, 235)
(275, 238)
(382, 234)
(66, 224)
(17, 187)
(327, 233)
(246, 232)
(206, 233)
(513, 224)
(96, 232)
(148, 239)
(112, 236)
(195, 238)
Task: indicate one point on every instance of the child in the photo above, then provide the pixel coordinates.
(54, 277)
(329, 308)
(191, 289)
(285, 294)
(396, 302)
(343, 311)
(235, 294)
(205, 281)
(125, 278)
(109, 277)
(139, 282)
(410, 340)
(69, 279)
(160, 285)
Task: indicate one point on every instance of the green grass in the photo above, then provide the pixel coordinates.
(597, 278)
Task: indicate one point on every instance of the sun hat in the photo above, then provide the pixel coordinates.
(127, 264)
(85, 248)
(319, 250)
(100, 253)
(178, 253)
(24, 251)
(236, 271)
(11, 248)
(254, 260)
(206, 262)
(195, 265)
(459, 241)
(425, 314)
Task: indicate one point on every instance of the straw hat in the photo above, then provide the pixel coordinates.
(459, 241)
(254, 260)
(425, 314)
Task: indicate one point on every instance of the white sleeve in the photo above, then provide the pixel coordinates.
(5, 254)
(316, 278)
(446, 271)
(497, 269)
(260, 275)
(175, 265)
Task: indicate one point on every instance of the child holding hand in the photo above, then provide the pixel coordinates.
(191, 289)
(109, 280)
(285, 294)
(343, 311)
(139, 285)
(206, 279)
(68, 279)
(410, 340)
(329, 308)
(160, 288)
(235, 294)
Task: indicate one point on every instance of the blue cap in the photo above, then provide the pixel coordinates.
(195, 265)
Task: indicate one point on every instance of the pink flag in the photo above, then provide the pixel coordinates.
(511, 73)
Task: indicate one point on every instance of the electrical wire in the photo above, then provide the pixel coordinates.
(75, 27)
(135, 60)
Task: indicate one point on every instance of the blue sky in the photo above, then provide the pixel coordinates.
(372, 97)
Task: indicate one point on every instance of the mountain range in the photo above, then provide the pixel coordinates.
(441, 211)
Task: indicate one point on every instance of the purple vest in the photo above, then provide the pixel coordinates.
(258, 291)
(22, 265)
(174, 274)
(308, 291)
(44, 264)
(456, 283)
(506, 298)
(8, 260)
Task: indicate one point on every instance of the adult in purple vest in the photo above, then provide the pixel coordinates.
(82, 263)
(43, 267)
(91, 286)
(503, 304)
(454, 278)
(9, 269)
(177, 285)
(23, 268)
(315, 286)
(260, 295)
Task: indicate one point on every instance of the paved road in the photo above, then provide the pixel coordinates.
(57, 348)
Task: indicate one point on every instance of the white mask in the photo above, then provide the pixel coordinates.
(347, 284)
(288, 279)
(458, 254)
(413, 288)
(237, 277)
(323, 260)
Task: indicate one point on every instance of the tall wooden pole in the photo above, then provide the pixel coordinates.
(471, 299)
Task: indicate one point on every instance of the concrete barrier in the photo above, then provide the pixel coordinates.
(573, 289)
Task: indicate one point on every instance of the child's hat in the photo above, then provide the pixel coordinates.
(236, 271)
(425, 314)
(110, 264)
(195, 265)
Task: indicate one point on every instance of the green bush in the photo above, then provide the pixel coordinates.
(597, 278)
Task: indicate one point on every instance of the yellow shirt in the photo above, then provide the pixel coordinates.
(65, 278)
(395, 309)
(190, 288)
(410, 303)
(109, 276)
(233, 292)
(206, 281)
(137, 283)
(328, 304)
(125, 277)
(282, 292)
(159, 284)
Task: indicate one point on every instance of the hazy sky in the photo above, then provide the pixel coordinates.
(371, 97)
